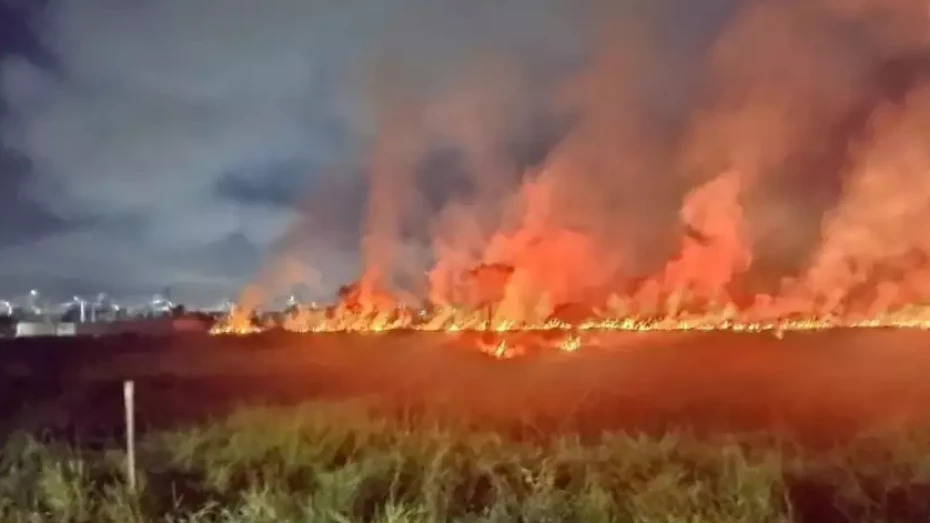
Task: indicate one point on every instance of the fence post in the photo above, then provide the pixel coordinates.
(129, 403)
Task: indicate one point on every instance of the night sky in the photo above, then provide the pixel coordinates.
(148, 144)
(174, 143)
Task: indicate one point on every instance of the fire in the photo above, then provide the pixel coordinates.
(339, 319)
(570, 344)
(572, 247)
(689, 294)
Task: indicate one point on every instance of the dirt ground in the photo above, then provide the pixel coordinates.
(815, 386)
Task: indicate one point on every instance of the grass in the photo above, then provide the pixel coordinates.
(339, 463)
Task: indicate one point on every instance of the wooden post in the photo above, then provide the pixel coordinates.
(129, 403)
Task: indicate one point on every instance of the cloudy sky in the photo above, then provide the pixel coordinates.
(157, 143)
(147, 144)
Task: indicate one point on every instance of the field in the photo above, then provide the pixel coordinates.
(815, 427)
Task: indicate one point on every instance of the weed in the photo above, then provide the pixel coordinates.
(338, 463)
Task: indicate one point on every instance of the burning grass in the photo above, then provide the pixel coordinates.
(531, 277)
(340, 462)
(555, 251)
(337, 319)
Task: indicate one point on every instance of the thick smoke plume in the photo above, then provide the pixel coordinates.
(783, 176)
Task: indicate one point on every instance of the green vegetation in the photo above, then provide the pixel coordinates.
(340, 463)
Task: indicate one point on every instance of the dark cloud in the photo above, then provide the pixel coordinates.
(202, 135)
(282, 184)
(18, 36)
(21, 218)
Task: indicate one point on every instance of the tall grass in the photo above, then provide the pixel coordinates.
(339, 463)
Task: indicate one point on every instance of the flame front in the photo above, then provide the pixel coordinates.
(581, 240)
(452, 320)
(689, 294)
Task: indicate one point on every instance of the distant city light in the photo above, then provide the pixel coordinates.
(39, 305)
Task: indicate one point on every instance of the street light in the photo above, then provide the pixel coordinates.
(102, 301)
(78, 302)
(225, 306)
(34, 302)
(83, 305)
(160, 304)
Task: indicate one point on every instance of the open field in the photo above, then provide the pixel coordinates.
(818, 386)
(422, 427)
(339, 462)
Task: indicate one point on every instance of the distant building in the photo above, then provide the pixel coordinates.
(35, 329)
(143, 326)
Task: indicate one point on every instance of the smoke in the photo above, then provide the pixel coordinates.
(786, 162)
(592, 211)
(679, 162)
(873, 235)
(154, 106)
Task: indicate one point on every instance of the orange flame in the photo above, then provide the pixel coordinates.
(547, 255)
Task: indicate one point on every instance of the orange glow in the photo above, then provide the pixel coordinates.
(537, 262)
(576, 245)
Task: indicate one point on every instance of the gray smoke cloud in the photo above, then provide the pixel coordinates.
(155, 104)
(181, 140)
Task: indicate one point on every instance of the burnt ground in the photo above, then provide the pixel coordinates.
(818, 387)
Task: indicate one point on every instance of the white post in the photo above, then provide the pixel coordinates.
(129, 402)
